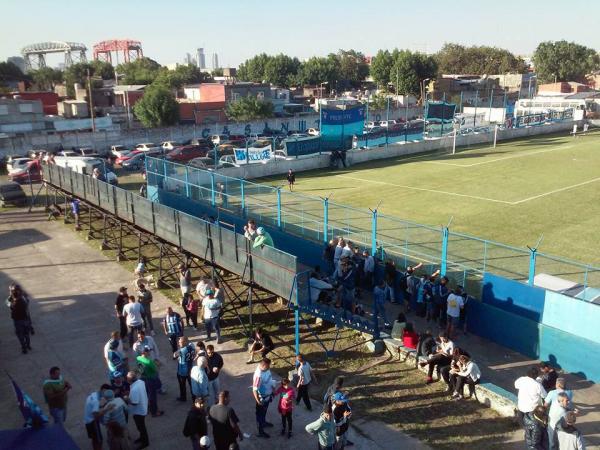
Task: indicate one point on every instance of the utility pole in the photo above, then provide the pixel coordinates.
(92, 115)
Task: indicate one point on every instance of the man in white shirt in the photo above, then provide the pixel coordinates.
(305, 376)
(455, 304)
(369, 269)
(318, 286)
(262, 389)
(146, 341)
(92, 415)
(531, 393)
(211, 308)
(138, 407)
(114, 336)
(133, 318)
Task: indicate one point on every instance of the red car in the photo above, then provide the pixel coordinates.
(127, 156)
(31, 172)
(187, 152)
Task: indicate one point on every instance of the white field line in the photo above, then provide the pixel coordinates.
(435, 191)
(521, 155)
(555, 191)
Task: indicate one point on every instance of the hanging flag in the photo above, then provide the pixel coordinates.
(32, 413)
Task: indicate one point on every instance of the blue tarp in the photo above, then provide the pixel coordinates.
(48, 438)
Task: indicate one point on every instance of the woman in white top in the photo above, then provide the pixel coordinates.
(468, 373)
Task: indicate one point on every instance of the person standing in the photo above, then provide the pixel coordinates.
(536, 434)
(324, 428)
(195, 423)
(341, 416)
(558, 410)
(440, 300)
(224, 423)
(55, 393)
(18, 302)
(120, 303)
(146, 341)
(185, 279)
(133, 317)
(530, 393)
(199, 379)
(185, 301)
(215, 364)
(379, 299)
(262, 389)
(455, 302)
(93, 414)
(262, 238)
(569, 437)
(115, 421)
(548, 376)
(285, 406)
(116, 360)
(173, 327)
(149, 374)
(291, 179)
(368, 269)
(250, 230)
(305, 377)
(115, 336)
(145, 298)
(211, 309)
(185, 360)
(75, 210)
(192, 306)
(331, 390)
(138, 407)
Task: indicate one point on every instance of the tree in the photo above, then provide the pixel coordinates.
(457, 59)
(564, 61)
(253, 69)
(380, 67)
(410, 69)
(281, 70)
(319, 70)
(218, 72)
(353, 68)
(102, 69)
(140, 71)
(182, 75)
(10, 72)
(77, 73)
(378, 102)
(158, 107)
(249, 108)
(46, 78)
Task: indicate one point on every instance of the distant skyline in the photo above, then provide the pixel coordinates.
(238, 29)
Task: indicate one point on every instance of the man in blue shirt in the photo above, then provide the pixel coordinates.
(173, 327)
(440, 297)
(185, 359)
(75, 211)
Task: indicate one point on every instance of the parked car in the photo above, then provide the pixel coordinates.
(146, 146)
(136, 162)
(88, 151)
(238, 137)
(167, 146)
(67, 153)
(202, 163)
(118, 150)
(200, 141)
(125, 156)
(16, 163)
(387, 123)
(281, 155)
(217, 139)
(228, 161)
(372, 124)
(31, 172)
(313, 131)
(187, 152)
(11, 193)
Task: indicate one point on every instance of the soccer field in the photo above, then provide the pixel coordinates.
(511, 194)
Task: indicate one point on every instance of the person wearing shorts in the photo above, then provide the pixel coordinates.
(92, 415)
(455, 304)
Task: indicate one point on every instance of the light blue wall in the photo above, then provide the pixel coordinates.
(572, 315)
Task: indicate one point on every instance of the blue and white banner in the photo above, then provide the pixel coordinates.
(255, 155)
(342, 116)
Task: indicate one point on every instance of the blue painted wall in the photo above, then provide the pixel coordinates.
(513, 296)
(572, 315)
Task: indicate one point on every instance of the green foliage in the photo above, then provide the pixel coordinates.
(182, 75)
(103, 70)
(254, 68)
(410, 69)
(46, 78)
(249, 108)
(353, 68)
(158, 107)
(281, 70)
(380, 67)
(458, 59)
(140, 71)
(77, 73)
(378, 102)
(565, 61)
(319, 70)
(10, 71)
(218, 72)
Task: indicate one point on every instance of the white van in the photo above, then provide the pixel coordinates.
(86, 165)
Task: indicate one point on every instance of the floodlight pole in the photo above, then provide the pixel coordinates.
(495, 135)
(326, 219)
(387, 118)
(454, 142)
(243, 199)
(279, 207)
(374, 229)
(445, 238)
(475, 114)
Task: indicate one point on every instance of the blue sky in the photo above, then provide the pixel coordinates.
(238, 29)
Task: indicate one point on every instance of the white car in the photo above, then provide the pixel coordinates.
(218, 139)
(281, 155)
(145, 146)
(167, 146)
(14, 164)
(387, 123)
(69, 154)
(313, 131)
(119, 150)
(371, 124)
(228, 161)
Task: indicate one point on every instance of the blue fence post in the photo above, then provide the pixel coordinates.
(279, 207)
(444, 262)
(243, 196)
(374, 232)
(326, 220)
(187, 182)
(532, 258)
(297, 319)
(212, 189)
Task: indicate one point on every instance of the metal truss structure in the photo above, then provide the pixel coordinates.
(35, 54)
(130, 49)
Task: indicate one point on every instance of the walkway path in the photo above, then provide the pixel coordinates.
(74, 287)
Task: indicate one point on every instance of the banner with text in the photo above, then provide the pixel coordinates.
(255, 155)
